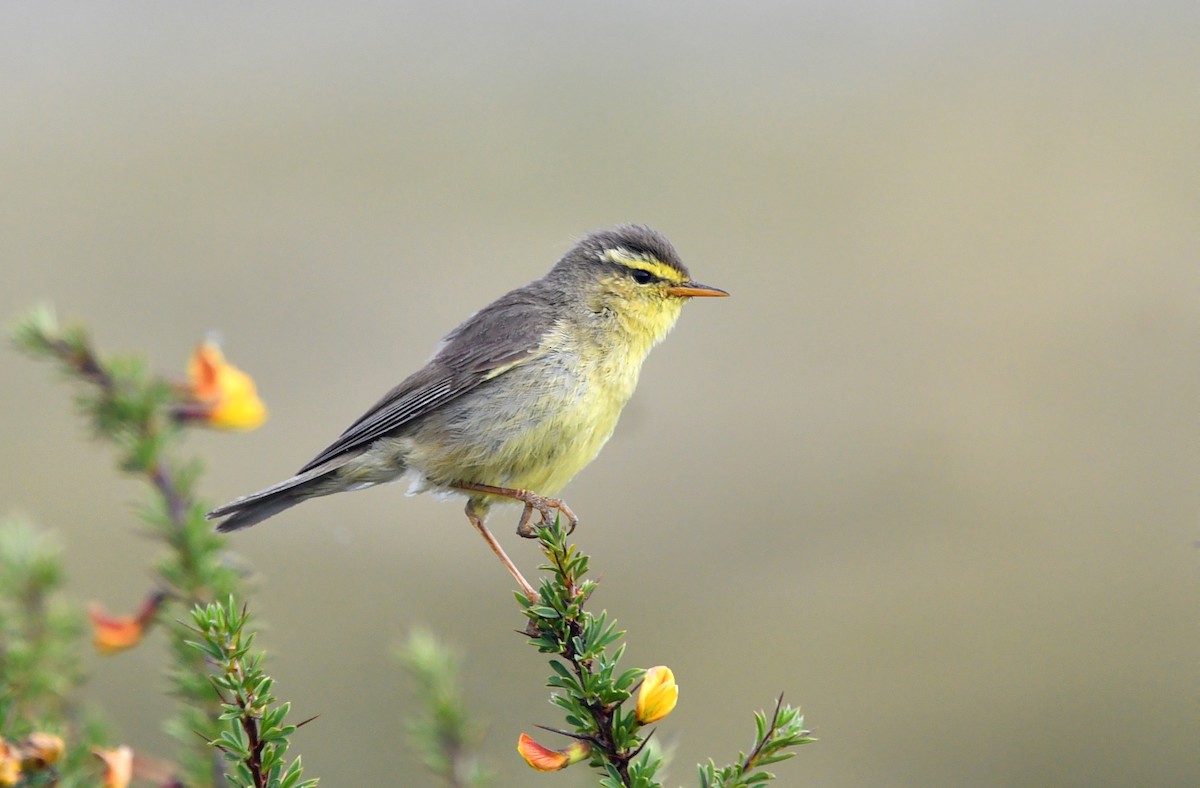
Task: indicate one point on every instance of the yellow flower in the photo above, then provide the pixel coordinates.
(225, 396)
(10, 764)
(37, 751)
(40, 750)
(658, 695)
(545, 759)
(111, 634)
(118, 766)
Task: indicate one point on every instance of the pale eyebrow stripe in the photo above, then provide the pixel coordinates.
(643, 262)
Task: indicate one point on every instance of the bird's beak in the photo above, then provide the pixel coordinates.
(696, 290)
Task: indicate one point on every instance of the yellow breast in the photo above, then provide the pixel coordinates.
(579, 392)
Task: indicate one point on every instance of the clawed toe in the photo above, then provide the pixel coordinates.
(543, 507)
(524, 529)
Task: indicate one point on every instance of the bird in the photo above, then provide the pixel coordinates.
(517, 399)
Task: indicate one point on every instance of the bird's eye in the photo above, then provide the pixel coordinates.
(642, 277)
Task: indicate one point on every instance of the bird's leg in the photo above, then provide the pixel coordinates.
(533, 502)
(477, 521)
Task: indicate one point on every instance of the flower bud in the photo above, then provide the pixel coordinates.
(545, 759)
(658, 695)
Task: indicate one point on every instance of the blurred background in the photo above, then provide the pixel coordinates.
(931, 471)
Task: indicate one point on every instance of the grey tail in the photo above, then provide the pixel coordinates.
(254, 508)
(243, 514)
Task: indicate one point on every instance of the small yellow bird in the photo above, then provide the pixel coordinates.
(517, 399)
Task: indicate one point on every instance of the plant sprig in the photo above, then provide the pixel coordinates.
(441, 730)
(772, 739)
(591, 690)
(255, 738)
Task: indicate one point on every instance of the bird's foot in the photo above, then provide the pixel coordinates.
(542, 506)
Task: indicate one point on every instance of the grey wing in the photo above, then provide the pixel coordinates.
(499, 337)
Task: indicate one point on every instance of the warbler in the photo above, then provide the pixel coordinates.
(517, 399)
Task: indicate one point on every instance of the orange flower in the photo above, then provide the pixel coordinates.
(118, 766)
(658, 695)
(545, 759)
(111, 634)
(225, 396)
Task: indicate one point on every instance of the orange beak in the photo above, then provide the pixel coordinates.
(696, 290)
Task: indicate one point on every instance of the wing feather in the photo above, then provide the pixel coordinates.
(503, 335)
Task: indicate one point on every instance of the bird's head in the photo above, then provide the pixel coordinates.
(632, 274)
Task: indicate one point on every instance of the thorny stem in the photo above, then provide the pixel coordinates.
(164, 482)
(602, 714)
(753, 756)
(254, 762)
(83, 360)
(250, 724)
(247, 719)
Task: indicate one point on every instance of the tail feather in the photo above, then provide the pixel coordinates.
(256, 511)
(254, 508)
